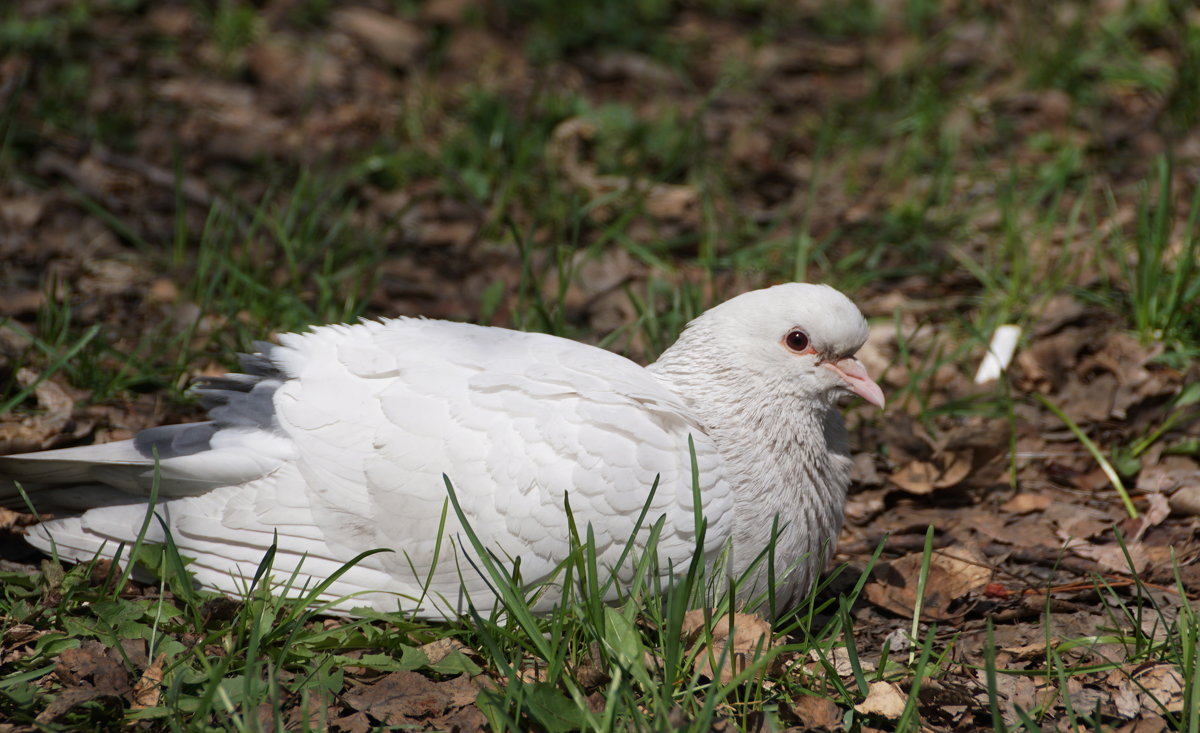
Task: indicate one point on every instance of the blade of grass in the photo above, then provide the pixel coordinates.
(1091, 447)
(922, 578)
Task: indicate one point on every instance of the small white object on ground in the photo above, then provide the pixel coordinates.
(999, 354)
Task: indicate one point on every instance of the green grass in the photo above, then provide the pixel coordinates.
(223, 661)
(1164, 283)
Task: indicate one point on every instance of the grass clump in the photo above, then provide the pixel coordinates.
(1164, 275)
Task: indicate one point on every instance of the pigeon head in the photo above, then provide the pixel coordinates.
(802, 335)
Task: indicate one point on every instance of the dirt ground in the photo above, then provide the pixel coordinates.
(170, 124)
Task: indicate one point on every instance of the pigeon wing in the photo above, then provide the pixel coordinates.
(520, 423)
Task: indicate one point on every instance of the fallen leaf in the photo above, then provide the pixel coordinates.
(1145, 723)
(812, 712)
(841, 661)
(863, 472)
(294, 67)
(884, 699)
(45, 428)
(356, 722)
(953, 574)
(23, 212)
(1162, 687)
(148, 689)
(111, 277)
(922, 477)
(1186, 500)
(436, 651)
(1112, 557)
(407, 698)
(751, 637)
(1036, 650)
(1169, 474)
(393, 40)
(945, 700)
(18, 302)
(18, 642)
(1134, 528)
(445, 12)
(15, 520)
(1059, 311)
(1025, 502)
(1013, 691)
(90, 671)
(1125, 697)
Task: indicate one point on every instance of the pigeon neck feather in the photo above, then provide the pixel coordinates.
(784, 449)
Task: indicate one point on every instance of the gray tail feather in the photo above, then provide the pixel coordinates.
(234, 400)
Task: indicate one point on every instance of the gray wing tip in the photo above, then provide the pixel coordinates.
(245, 399)
(259, 363)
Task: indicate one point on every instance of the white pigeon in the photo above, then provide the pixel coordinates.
(336, 441)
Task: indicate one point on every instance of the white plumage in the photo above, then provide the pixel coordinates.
(335, 442)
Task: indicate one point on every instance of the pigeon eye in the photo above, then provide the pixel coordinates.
(796, 340)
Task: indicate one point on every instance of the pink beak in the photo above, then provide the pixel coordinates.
(854, 376)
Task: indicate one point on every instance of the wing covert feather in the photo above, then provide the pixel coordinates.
(379, 411)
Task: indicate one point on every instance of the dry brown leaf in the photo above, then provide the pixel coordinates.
(288, 65)
(860, 509)
(1025, 502)
(393, 40)
(17, 302)
(671, 201)
(1162, 687)
(953, 574)
(445, 12)
(23, 212)
(1112, 557)
(1158, 510)
(148, 690)
(407, 698)
(230, 114)
(751, 638)
(171, 20)
(356, 722)
(436, 651)
(923, 477)
(1125, 699)
(1013, 691)
(916, 477)
(14, 520)
(1145, 723)
(1079, 522)
(18, 641)
(814, 712)
(884, 699)
(1186, 500)
(43, 429)
(1168, 474)
(839, 658)
(88, 672)
(863, 472)
(1029, 651)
